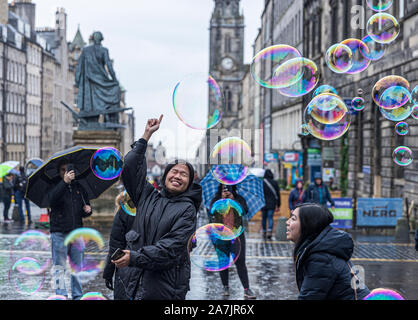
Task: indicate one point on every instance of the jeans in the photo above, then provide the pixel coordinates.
(19, 198)
(59, 258)
(6, 204)
(267, 215)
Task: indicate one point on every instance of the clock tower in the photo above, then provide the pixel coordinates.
(227, 57)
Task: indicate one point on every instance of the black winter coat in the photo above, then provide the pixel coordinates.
(67, 202)
(162, 228)
(269, 196)
(322, 272)
(318, 194)
(122, 223)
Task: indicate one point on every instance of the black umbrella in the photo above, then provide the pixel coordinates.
(47, 176)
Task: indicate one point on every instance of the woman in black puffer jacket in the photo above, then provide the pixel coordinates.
(321, 256)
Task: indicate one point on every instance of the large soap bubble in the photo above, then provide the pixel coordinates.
(383, 28)
(229, 213)
(387, 82)
(379, 5)
(106, 163)
(402, 156)
(376, 50)
(324, 89)
(339, 58)
(359, 62)
(394, 97)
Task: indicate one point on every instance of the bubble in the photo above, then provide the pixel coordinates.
(414, 112)
(31, 242)
(383, 28)
(193, 96)
(376, 50)
(305, 130)
(358, 103)
(270, 59)
(339, 58)
(402, 128)
(229, 213)
(414, 95)
(231, 158)
(385, 83)
(383, 294)
(324, 89)
(208, 251)
(106, 163)
(327, 116)
(26, 276)
(402, 156)
(379, 5)
(359, 62)
(127, 204)
(57, 297)
(87, 243)
(398, 114)
(93, 296)
(308, 81)
(394, 97)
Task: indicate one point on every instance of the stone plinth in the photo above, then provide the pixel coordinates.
(104, 207)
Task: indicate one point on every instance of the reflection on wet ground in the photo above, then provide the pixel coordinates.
(269, 263)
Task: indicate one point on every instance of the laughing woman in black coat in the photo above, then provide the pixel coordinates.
(321, 255)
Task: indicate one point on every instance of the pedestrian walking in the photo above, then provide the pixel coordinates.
(229, 192)
(321, 255)
(7, 192)
(272, 199)
(318, 192)
(69, 205)
(19, 187)
(122, 223)
(164, 223)
(296, 195)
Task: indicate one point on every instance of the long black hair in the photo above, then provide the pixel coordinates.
(313, 219)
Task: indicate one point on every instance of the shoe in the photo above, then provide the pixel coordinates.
(7, 220)
(225, 293)
(248, 294)
(264, 235)
(269, 235)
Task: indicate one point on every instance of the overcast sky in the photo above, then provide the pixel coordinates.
(154, 44)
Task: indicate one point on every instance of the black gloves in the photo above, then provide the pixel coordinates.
(109, 284)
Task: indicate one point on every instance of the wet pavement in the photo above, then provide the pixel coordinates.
(269, 263)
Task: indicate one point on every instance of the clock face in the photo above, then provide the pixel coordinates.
(227, 63)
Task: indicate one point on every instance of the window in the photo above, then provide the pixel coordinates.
(228, 100)
(227, 44)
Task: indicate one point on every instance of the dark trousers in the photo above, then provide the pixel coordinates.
(241, 267)
(19, 199)
(6, 204)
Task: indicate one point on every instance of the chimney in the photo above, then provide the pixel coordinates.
(4, 12)
(26, 10)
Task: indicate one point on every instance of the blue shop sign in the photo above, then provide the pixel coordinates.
(382, 212)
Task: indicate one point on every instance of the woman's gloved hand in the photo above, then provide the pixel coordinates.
(109, 284)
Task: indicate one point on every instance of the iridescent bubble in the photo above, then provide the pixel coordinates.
(31, 242)
(208, 251)
(229, 213)
(57, 297)
(324, 89)
(87, 243)
(106, 163)
(26, 276)
(402, 128)
(288, 73)
(385, 83)
(358, 103)
(308, 81)
(383, 28)
(379, 5)
(384, 294)
(414, 113)
(414, 95)
(394, 97)
(376, 50)
(93, 296)
(327, 116)
(398, 114)
(270, 59)
(339, 58)
(402, 156)
(231, 159)
(359, 62)
(127, 204)
(193, 96)
(305, 130)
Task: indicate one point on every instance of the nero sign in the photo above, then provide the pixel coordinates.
(378, 212)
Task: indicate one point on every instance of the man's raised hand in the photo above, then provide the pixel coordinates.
(152, 126)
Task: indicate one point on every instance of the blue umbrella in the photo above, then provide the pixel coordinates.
(251, 189)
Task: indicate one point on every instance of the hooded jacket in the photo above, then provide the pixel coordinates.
(269, 195)
(296, 197)
(318, 194)
(322, 271)
(160, 233)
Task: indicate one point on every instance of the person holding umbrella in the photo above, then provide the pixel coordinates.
(229, 192)
(69, 205)
(164, 223)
